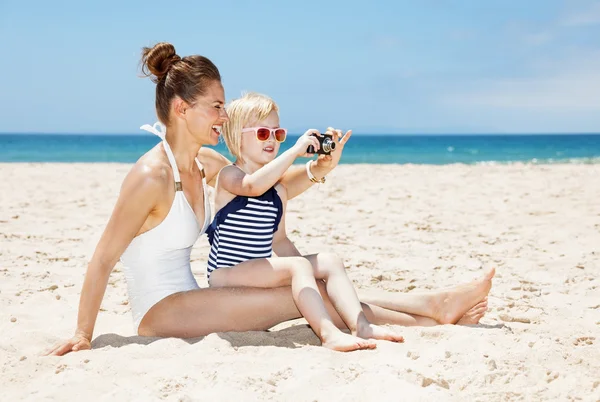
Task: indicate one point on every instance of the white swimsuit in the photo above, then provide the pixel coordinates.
(157, 262)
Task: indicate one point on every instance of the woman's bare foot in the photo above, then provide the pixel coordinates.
(475, 314)
(367, 330)
(343, 342)
(453, 304)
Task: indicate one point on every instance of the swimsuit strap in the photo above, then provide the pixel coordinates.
(160, 130)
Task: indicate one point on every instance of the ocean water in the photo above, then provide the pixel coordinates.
(417, 149)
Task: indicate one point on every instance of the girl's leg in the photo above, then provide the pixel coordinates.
(204, 311)
(274, 272)
(330, 268)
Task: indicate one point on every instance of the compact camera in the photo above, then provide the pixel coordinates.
(327, 145)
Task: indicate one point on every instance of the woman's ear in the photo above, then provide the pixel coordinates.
(179, 107)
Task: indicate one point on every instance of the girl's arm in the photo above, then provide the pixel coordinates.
(296, 180)
(235, 181)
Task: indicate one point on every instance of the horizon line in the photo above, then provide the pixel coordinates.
(362, 133)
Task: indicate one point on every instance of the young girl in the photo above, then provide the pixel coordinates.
(250, 225)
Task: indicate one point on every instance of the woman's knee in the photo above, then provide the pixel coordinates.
(218, 278)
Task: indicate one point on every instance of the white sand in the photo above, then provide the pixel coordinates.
(400, 229)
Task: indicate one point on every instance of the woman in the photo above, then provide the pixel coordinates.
(163, 208)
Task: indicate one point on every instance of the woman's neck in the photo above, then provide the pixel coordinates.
(184, 148)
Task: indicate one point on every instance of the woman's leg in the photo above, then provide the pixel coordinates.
(446, 306)
(204, 311)
(275, 272)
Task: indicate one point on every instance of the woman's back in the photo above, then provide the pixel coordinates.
(157, 261)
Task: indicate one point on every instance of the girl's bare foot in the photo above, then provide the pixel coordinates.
(343, 342)
(370, 331)
(475, 314)
(453, 304)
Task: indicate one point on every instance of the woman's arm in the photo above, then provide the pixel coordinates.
(285, 248)
(282, 245)
(138, 197)
(212, 162)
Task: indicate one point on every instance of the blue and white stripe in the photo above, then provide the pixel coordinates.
(241, 234)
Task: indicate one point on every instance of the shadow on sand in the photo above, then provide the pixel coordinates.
(292, 337)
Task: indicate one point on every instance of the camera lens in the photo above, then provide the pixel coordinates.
(328, 145)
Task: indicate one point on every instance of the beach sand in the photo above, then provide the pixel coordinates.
(399, 229)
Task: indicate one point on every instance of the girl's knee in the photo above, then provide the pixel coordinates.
(330, 263)
(301, 265)
(330, 259)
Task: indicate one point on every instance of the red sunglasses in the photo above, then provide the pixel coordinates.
(264, 133)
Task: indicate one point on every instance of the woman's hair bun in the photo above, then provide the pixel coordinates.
(157, 60)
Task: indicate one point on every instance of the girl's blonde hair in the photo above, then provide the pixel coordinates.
(251, 106)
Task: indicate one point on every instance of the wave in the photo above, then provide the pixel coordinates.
(546, 161)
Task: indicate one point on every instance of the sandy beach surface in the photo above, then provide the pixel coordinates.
(399, 229)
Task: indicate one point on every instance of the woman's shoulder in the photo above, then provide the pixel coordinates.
(151, 171)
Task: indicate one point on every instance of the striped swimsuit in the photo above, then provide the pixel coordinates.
(243, 230)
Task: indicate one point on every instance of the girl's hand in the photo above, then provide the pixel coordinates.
(307, 139)
(331, 161)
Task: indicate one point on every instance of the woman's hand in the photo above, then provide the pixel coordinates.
(78, 342)
(140, 192)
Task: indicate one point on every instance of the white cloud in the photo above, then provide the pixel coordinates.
(387, 42)
(538, 39)
(591, 16)
(563, 96)
(569, 83)
(582, 17)
(567, 92)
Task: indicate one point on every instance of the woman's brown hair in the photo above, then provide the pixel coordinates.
(186, 77)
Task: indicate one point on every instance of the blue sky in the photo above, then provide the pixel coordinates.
(429, 66)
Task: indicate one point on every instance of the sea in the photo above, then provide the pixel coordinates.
(361, 148)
